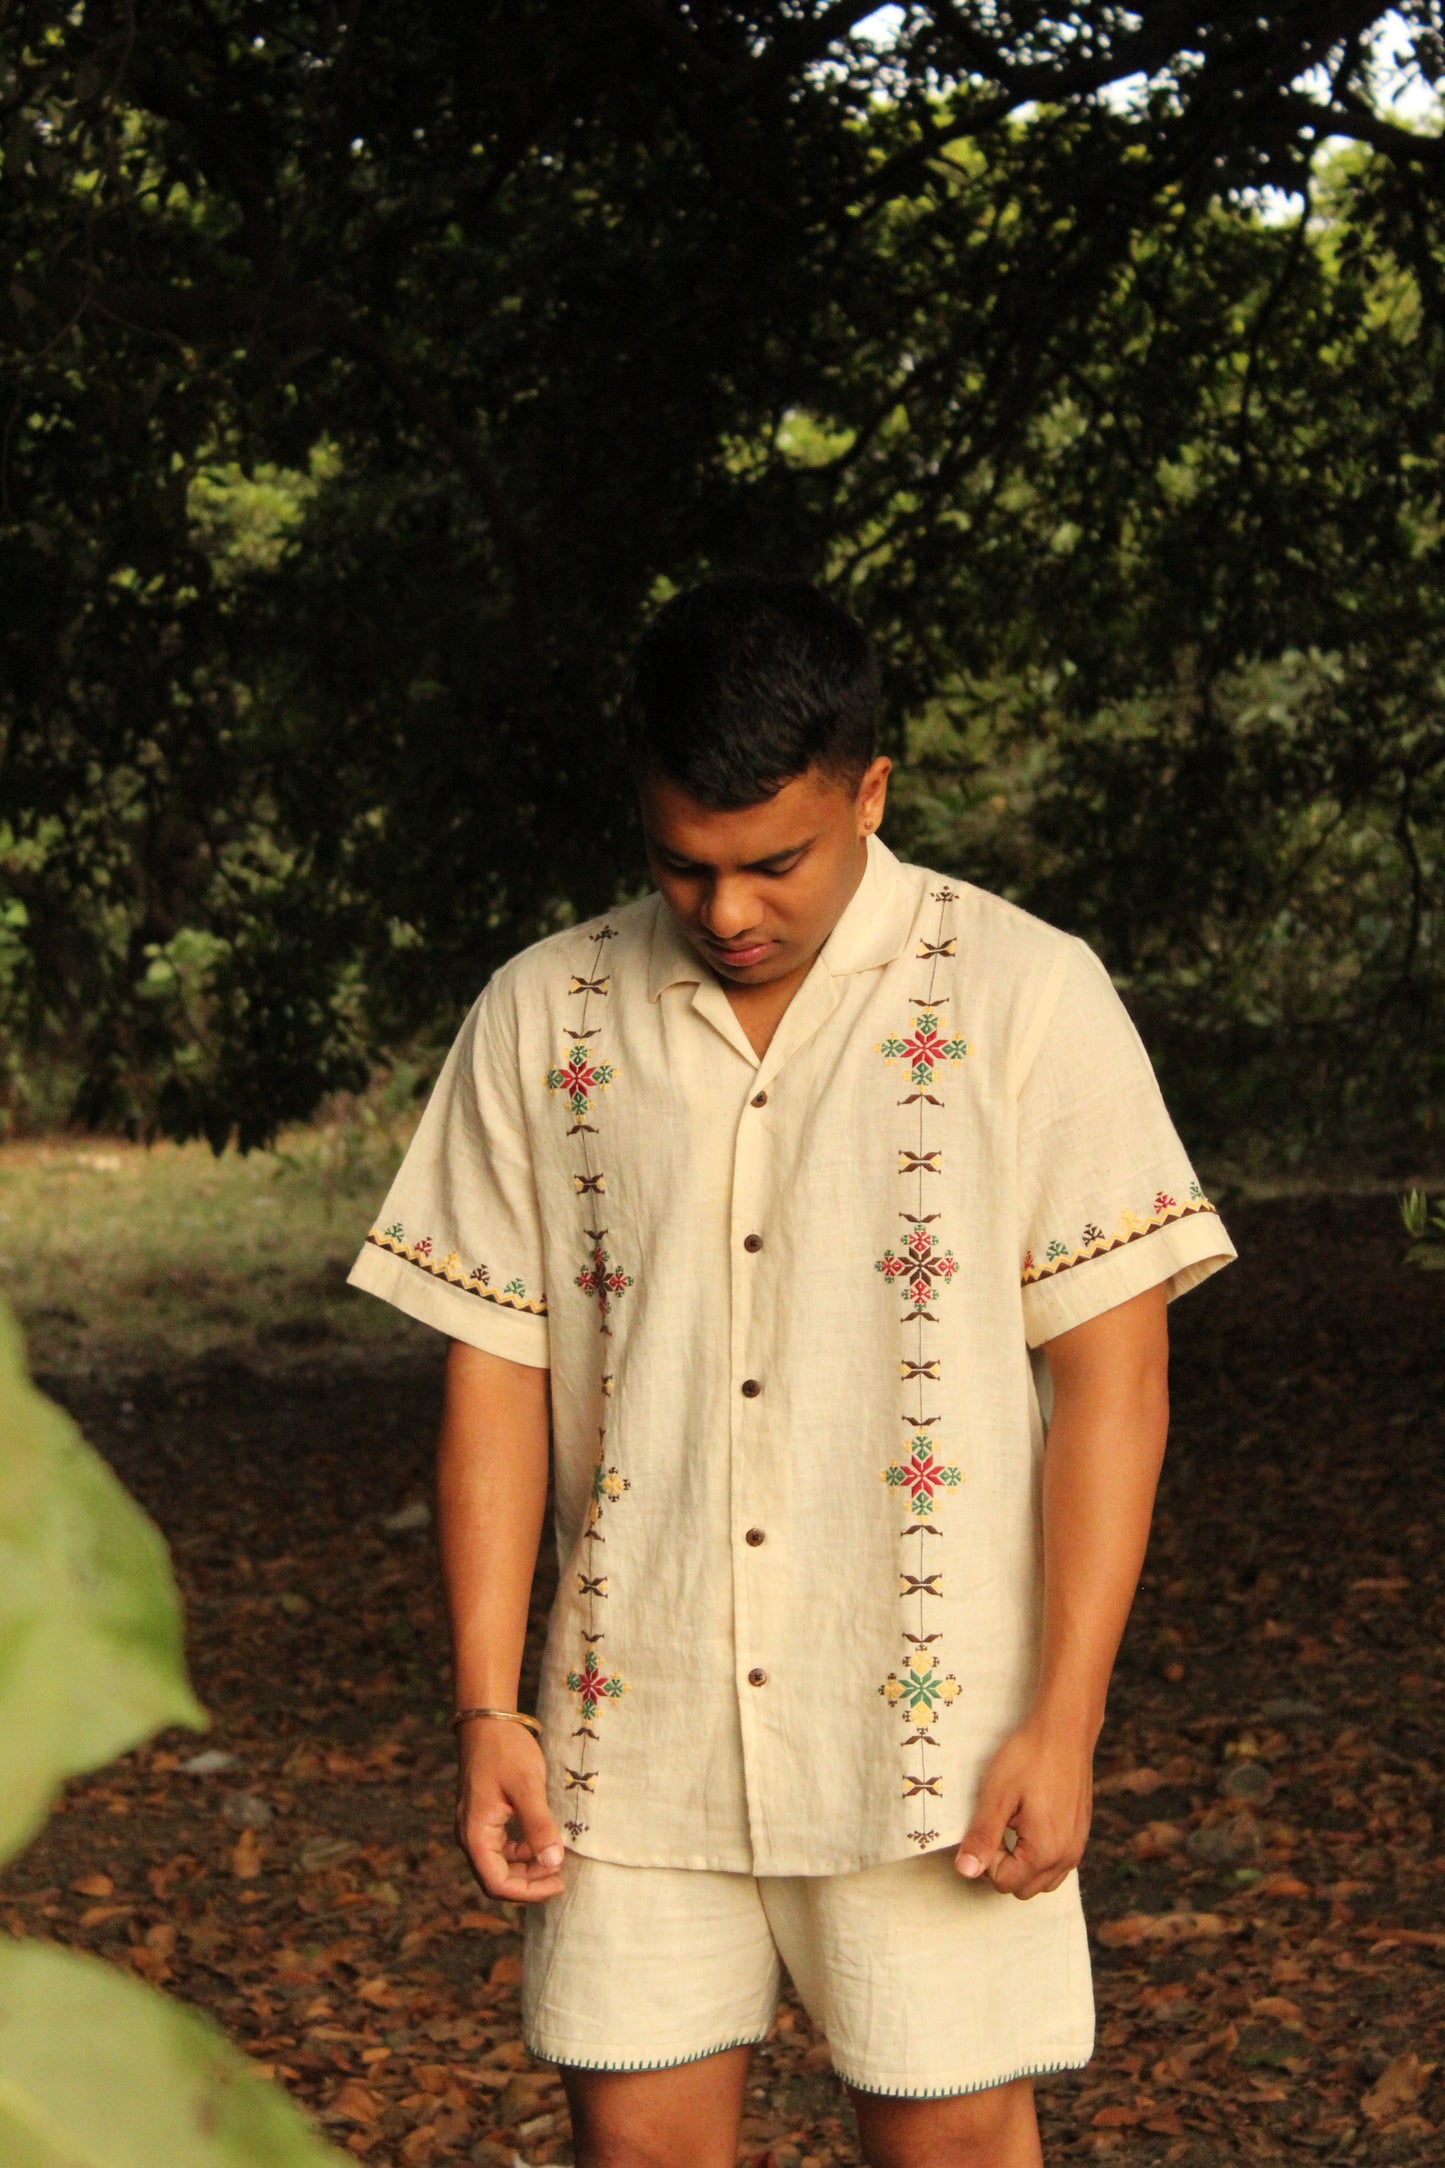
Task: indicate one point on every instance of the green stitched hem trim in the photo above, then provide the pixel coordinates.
(948, 2092)
(673, 2062)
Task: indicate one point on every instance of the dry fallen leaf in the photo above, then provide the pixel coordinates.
(246, 1856)
(355, 2103)
(1137, 1781)
(1397, 2089)
(1137, 1927)
(94, 1885)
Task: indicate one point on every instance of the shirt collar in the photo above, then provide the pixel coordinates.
(873, 929)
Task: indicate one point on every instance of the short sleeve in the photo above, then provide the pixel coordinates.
(1108, 1202)
(458, 1242)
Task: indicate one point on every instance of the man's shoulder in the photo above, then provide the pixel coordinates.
(994, 934)
(594, 949)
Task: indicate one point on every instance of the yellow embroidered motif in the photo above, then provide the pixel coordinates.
(513, 1296)
(1094, 1242)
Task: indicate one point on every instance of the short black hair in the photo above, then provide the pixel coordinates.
(744, 682)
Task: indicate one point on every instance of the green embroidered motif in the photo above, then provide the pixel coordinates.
(920, 1690)
(922, 1476)
(593, 1685)
(578, 1078)
(924, 1049)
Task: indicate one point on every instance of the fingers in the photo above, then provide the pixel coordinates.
(981, 1847)
(1032, 1870)
(502, 1785)
(539, 1832)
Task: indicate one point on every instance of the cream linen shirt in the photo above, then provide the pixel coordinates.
(789, 1305)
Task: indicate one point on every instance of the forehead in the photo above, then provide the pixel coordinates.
(804, 808)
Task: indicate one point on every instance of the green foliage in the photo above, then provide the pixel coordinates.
(376, 372)
(125, 1257)
(1426, 1230)
(90, 1623)
(96, 2066)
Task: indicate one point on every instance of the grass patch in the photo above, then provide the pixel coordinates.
(136, 1254)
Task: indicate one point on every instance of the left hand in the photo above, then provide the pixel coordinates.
(1040, 1785)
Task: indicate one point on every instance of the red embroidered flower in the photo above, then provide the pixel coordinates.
(592, 1685)
(925, 1048)
(922, 1476)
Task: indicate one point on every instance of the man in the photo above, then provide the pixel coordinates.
(808, 1197)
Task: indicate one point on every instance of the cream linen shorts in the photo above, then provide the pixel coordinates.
(924, 1984)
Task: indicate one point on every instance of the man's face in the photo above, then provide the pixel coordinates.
(758, 891)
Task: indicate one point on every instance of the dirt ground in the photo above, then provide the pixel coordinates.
(1264, 1878)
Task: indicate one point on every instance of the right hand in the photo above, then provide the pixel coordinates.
(501, 1778)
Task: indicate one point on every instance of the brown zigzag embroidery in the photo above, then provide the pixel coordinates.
(1132, 1227)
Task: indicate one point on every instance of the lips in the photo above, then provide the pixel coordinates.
(750, 952)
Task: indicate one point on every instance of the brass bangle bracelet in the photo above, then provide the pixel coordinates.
(508, 1716)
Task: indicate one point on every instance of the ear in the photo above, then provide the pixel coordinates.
(872, 794)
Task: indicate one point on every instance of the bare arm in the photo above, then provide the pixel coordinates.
(1101, 1466)
(491, 1499)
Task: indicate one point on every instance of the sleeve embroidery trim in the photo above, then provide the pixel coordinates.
(477, 1281)
(1094, 1242)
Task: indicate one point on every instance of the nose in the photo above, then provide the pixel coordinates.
(729, 911)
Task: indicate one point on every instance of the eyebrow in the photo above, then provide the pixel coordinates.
(754, 865)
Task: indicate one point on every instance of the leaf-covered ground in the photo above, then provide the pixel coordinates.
(1265, 1873)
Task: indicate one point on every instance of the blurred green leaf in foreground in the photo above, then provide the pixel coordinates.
(94, 2065)
(1426, 1230)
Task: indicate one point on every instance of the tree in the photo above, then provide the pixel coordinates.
(520, 317)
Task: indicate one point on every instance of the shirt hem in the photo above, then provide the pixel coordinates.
(1179, 1255)
(447, 1310)
(774, 1868)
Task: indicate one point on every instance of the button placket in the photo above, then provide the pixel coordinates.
(753, 1639)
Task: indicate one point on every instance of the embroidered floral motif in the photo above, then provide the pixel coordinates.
(593, 1685)
(603, 1280)
(921, 1475)
(924, 1049)
(581, 1076)
(920, 1264)
(1060, 1256)
(473, 1280)
(921, 1689)
(918, 1269)
(607, 1483)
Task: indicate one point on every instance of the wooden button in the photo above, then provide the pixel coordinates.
(760, 1099)
(753, 1243)
(757, 1676)
(751, 1388)
(755, 1536)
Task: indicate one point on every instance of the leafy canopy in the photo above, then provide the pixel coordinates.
(372, 372)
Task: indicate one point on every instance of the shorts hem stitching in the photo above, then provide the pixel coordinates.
(979, 2085)
(670, 2062)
